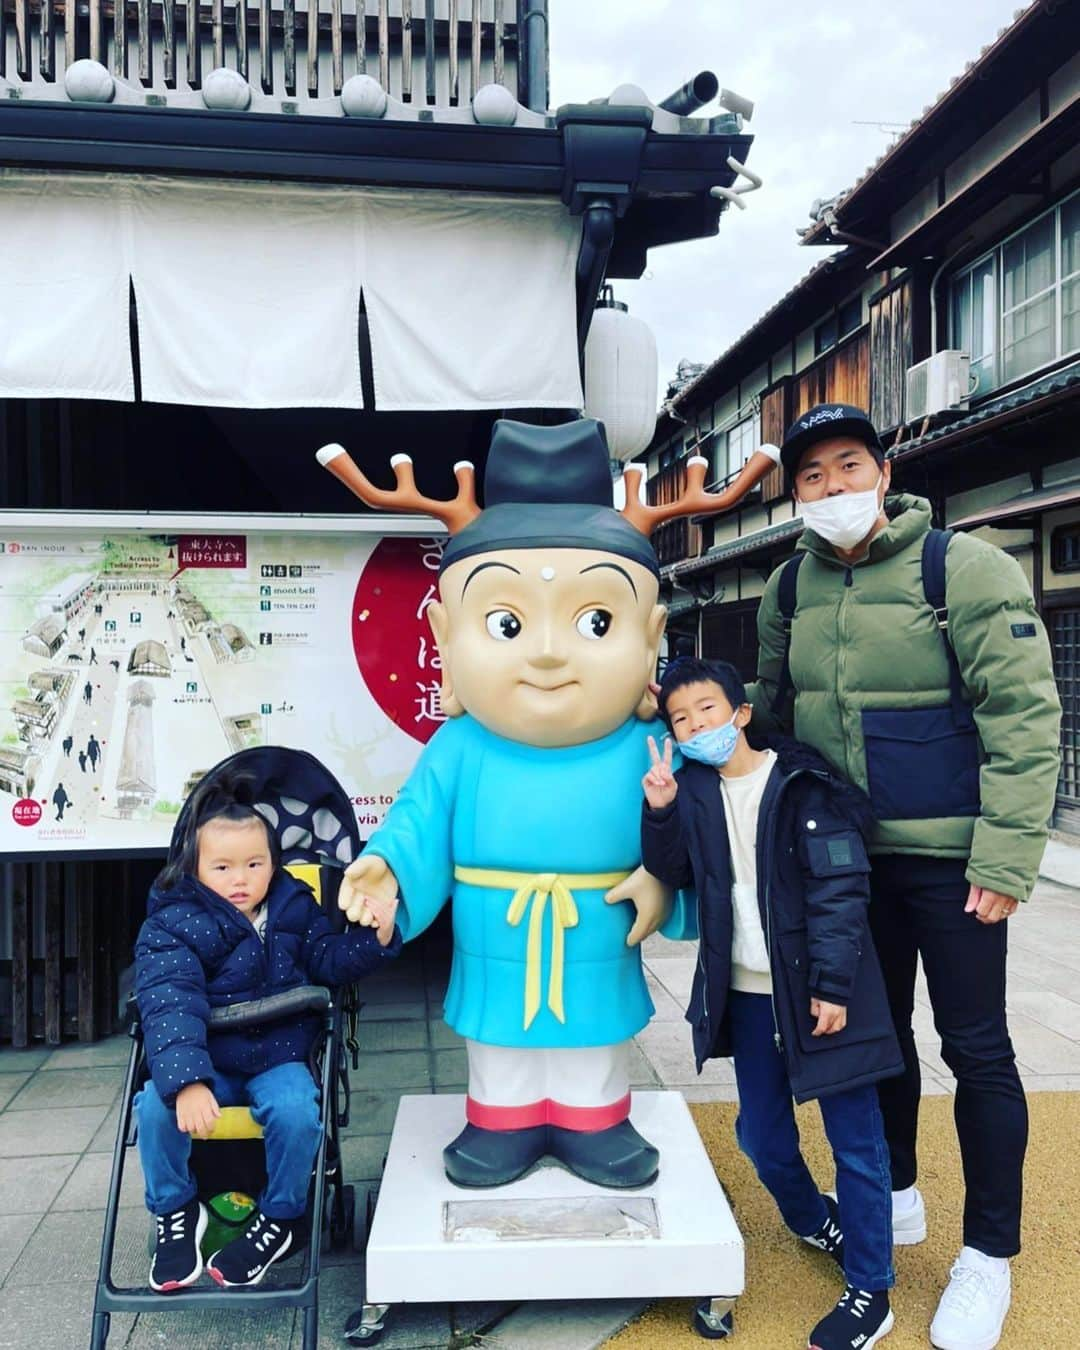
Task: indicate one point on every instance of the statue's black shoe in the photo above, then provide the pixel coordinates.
(617, 1156)
(480, 1157)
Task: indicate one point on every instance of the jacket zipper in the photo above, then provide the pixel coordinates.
(841, 646)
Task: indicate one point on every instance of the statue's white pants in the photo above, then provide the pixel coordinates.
(511, 1088)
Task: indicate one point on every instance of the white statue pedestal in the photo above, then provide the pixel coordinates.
(548, 1235)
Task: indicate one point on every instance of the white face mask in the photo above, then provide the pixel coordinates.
(844, 520)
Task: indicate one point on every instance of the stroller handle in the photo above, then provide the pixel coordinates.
(304, 998)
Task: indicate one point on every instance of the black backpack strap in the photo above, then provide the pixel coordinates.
(787, 599)
(935, 547)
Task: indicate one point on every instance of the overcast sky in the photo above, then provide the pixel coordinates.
(816, 75)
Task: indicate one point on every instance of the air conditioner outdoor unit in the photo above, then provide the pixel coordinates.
(942, 381)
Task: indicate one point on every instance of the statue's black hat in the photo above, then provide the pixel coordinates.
(550, 487)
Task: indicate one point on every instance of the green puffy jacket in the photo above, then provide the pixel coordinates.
(865, 640)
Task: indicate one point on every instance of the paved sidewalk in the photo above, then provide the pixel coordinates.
(58, 1112)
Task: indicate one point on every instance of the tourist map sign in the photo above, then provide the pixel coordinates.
(130, 664)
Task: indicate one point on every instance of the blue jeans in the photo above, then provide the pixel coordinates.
(284, 1101)
(768, 1135)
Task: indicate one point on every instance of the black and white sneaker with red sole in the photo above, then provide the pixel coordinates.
(247, 1258)
(177, 1260)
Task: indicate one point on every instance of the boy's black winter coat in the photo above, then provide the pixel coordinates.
(195, 952)
(813, 895)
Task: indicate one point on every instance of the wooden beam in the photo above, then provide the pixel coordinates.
(169, 43)
(289, 44)
(52, 885)
(22, 38)
(22, 936)
(46, 39)
(312, 21)
(240, 31)
(145, 46)
(217, 32)
(337, 53)
(476, 34)
(87, 972)
(194, 46)
(453, 52)
(266, 50)
(429, 50)
(406, 51)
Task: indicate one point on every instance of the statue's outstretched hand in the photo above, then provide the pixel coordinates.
(366, 890)
(651, 899)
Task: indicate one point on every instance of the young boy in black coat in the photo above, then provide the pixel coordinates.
(787, 982)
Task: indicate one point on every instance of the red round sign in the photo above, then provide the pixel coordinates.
(394, 648)
(26, 811)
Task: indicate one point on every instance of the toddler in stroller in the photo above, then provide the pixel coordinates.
(226, 923)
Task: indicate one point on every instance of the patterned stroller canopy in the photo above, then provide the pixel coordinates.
(301, 801)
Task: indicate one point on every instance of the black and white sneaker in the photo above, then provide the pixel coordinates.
(247, 1258)
(829, 1238)
(859, 1320)
(177, 1260)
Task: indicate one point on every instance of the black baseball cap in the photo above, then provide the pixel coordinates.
(823, 423)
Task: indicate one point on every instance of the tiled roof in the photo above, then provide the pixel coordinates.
(824, 265)
(972, 71)
(731, 549)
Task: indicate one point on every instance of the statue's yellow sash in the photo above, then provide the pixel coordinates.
(531, 891)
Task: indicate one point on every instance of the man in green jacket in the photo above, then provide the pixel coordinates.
(952, 729)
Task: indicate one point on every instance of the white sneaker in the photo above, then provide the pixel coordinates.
(973, 1307)
(909, 1226)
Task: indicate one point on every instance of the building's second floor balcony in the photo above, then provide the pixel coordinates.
(424, 54)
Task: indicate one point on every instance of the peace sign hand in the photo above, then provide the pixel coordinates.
(659, 783)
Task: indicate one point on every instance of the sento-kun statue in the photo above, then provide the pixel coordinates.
(524, 807)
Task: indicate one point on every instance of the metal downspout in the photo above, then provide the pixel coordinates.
(597, 236)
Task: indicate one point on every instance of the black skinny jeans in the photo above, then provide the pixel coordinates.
(917, 909)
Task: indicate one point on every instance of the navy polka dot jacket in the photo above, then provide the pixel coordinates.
(195, 952)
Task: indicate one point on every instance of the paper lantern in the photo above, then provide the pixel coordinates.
(620, 378)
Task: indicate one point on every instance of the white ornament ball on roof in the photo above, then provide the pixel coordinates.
(629, 96)
(494, 105)
(363, 96)
(226, 90)
(89, 82)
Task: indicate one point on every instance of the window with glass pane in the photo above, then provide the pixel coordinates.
(1029, 276)
(742, 441)
(1070, 276)
(849, 316)
(974, 323)
(825, 335)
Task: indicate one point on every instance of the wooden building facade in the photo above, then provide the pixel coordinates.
(963, 238)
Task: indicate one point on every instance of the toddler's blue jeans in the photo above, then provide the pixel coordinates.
(283, 1100)
(768, 1135)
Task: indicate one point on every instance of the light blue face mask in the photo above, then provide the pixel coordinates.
(715, 746)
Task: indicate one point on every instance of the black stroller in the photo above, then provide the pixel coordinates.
(315, 825)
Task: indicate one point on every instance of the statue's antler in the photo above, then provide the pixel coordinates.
(454, 514)
(694, 500)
